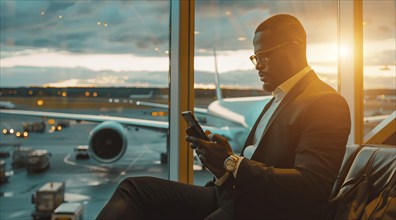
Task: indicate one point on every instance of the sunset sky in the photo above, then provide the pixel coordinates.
(131, 37)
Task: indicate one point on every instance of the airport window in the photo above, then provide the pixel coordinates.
(224, 32)
(81, 73)
(101, 59)
(379, 57)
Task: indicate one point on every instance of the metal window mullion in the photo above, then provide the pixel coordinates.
(350, 69)
(181, 89)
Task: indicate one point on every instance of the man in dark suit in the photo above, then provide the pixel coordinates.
(290, 159)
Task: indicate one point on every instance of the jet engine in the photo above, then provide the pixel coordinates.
(108, 142)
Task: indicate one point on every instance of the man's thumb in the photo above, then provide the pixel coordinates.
(219, 139)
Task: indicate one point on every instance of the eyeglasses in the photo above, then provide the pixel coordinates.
(264, 58)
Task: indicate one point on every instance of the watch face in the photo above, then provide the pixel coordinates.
(230, 165)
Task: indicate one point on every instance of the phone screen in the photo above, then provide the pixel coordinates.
(192, 122)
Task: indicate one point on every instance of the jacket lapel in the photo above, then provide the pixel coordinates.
(293, 93)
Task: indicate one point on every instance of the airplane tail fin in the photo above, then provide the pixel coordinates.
(217, 78)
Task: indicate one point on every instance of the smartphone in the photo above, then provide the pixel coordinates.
(192, 122)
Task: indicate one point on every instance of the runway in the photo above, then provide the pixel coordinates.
(86, 181)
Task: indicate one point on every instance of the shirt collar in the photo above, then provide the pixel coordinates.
(280, 92)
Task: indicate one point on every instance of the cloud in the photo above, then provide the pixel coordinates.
(141, 28)
(89, 27)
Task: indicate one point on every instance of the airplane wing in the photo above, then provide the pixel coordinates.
(142, 123)
(164, 106)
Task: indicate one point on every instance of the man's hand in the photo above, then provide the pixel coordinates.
(211, 153)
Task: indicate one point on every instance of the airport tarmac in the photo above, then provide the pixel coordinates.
(86, 181)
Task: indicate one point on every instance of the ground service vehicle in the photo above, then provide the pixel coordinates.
(82, 152)
(38, 160)
(34, 127)
(20, 156)
(68, 211)
(63, 123)
(47, 199)
(3, 176)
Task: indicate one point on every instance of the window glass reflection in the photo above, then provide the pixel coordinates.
(70, 66)
(379, 60)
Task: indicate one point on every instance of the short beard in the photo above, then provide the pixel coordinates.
(268, 87)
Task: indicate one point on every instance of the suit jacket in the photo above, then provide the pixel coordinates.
(293, 169)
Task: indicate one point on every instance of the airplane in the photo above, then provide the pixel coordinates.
(385, 68)
(108, 140)
(6, 105)
(142, 96)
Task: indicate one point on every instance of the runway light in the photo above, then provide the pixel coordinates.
(160, 113)
(12, 131)
(5, 131)
(59, 128)
(18, 134)
(40, 102)
(25, 134)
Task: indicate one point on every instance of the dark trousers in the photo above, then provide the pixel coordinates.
(154, 198)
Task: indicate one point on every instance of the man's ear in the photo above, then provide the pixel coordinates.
(294, 49)
(295, 53)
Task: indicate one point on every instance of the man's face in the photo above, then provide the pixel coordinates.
(272, 66)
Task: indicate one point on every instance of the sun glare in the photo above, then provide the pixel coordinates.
(344, 51)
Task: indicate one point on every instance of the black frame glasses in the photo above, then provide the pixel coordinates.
(254, 59)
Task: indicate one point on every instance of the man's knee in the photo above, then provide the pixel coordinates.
(132, 182)
(133, 185)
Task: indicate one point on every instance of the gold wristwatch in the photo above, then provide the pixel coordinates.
(230, 164)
